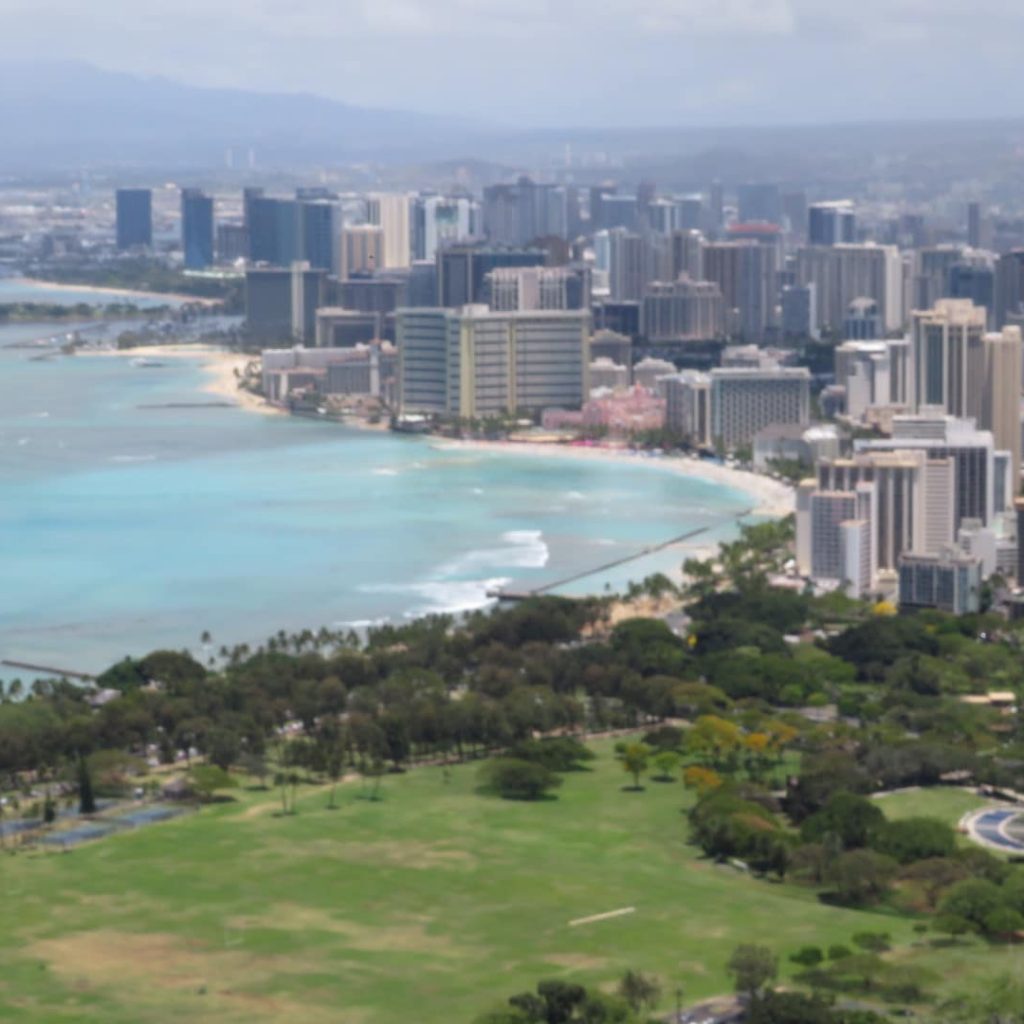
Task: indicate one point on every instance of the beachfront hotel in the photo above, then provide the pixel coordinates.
(474, 362)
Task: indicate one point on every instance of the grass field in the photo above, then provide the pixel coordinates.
(947, 803)
(428, 906)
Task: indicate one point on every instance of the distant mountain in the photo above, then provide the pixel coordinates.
(55, 112)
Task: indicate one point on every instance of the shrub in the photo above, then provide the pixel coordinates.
(515, 779)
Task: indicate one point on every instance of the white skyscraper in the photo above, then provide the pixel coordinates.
(392, 212)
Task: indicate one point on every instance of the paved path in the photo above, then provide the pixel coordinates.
(988, 827)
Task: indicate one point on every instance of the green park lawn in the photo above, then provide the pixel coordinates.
(947, 803)
(428, 906)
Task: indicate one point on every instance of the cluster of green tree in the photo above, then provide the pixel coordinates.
(146, 275)
(32, 311)
(565, 1002)
(531, 768)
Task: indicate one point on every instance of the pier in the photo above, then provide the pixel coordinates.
(512, 596)
(48, 670)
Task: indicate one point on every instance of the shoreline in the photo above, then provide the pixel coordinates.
(35, 282)
(772, 497)
(220, 366)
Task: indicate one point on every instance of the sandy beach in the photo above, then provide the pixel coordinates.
(222, 369)
(769, 497)
(127, 293)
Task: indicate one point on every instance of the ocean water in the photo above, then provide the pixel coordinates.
(126, 524)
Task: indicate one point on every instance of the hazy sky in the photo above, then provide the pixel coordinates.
(564, 62)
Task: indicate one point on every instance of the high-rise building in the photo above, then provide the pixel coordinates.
(134, 218)
(392, 212)
(524, 212)
(948, 357)
(744, 401)
(319, 226)
(360, 250)
(862, 321)
(629, 264)
(524, 288)
(275, 230)
(873, 374)
(442, 221)
(974, 225)
(281, 303)
(831, 223)
(745, 272)
(759, 202)
(1001, 396)
(842, 273)
(799, 311)
(941, 436)
(948, 581)
(474, 362)
(1009, 288)
(682, 310)
(462, 270)
(974, 281)
(688, 407)
(196, 228)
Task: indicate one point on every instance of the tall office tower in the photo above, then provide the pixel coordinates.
(831, 223)
(629, 264)
(949, 357)
(689, 213)
(682, 310)
(1009, 288)
(794, 213)
(474, 362)
(232, 242)
(932, 267)
(949, 581)
(524, 212)
(974, 225)
(248, 195)
(525, 288)
(442, 221)
(421, 290)
(838, 544)
(275, 231)
(914, 508)
(598, 194)
(392, 213)
(745, 273)
(799, 311)
(196, 228)
(360, 248)
(661, 216)
(281, 303)
(873, 374)
(1002, 392)
(688, 407)
(744, 401)
(759, 203)
(462, 269)
(862, 321)
(842, 273)
(974, 281)
(319, 221)
(134, 217)
(941, 437)
(687, 247)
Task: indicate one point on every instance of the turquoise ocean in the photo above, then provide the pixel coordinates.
(126, 524)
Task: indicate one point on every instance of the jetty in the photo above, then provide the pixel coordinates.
(47, 669)
(513, 596)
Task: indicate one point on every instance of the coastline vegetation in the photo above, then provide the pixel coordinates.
(554, 747)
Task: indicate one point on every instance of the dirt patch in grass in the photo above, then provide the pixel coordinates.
(577, 961)
(406, 854)
(155, 968)
(404, 935)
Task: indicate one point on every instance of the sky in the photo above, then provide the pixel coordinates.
(550, 63)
